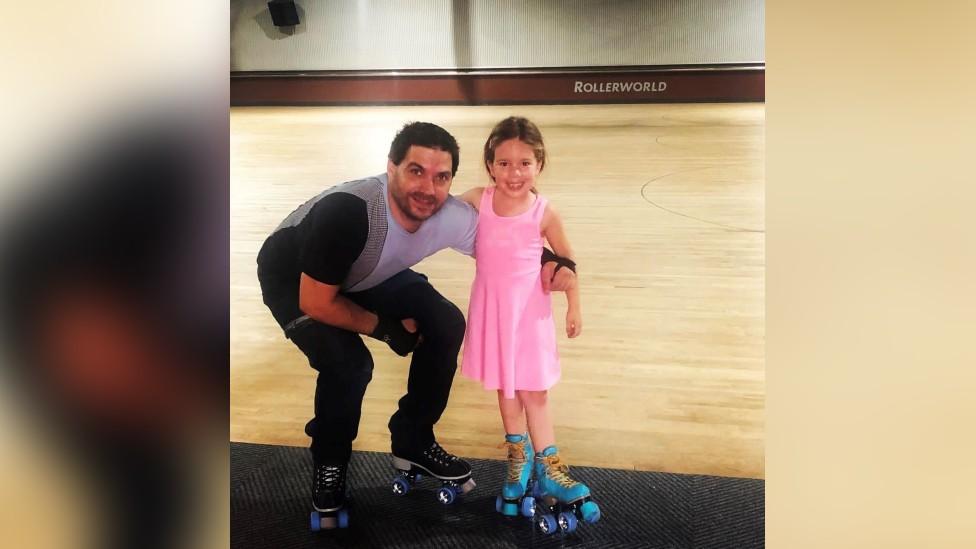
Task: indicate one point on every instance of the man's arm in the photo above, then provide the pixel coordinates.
(334, 238)
(465, 217)
(323, 303)
(473, 196)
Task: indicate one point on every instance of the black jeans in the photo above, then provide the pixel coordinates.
(345, 366)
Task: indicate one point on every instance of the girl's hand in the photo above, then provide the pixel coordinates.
(574, 323)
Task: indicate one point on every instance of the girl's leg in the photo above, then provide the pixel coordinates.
(551, 473)
(520, 455)
(513, 415)
(536, 405)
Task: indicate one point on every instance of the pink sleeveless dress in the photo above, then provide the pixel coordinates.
(510, 342)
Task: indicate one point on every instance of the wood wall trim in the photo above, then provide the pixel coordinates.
(649, 85)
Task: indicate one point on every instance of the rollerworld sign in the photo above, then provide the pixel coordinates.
(513, 87)
(618, 87)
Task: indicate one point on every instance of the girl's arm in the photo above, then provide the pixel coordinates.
(473, 196)
(552, 230)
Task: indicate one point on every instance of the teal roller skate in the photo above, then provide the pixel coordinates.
(561, 502)
(513, 497)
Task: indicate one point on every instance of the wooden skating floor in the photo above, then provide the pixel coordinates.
(664, 206)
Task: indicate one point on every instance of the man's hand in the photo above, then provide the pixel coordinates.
(411, 326)
(394, 333)
(560, 281)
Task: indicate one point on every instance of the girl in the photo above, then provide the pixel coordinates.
(510, 344)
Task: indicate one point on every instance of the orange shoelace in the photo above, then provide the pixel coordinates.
(557, 471)
(516, 460)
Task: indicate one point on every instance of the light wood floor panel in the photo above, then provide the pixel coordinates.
(664, 207)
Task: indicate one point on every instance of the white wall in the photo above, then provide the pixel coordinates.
(448, 34)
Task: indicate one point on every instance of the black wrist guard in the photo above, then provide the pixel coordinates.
(391, 331)
(564, 262)
(548, 255)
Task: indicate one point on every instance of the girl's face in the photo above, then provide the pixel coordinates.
(514, 168)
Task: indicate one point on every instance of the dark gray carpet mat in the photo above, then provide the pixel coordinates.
(270, 508)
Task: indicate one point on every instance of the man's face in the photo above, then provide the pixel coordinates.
(420, 184)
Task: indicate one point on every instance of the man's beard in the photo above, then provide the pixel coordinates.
(403, 201)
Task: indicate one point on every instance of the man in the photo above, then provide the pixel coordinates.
(339, 266)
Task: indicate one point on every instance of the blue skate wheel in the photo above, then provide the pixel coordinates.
(342, 517)
(316, 521)
(590, 511)
(446, 495)
(400, 486)
(528, 506)
(567, 522)
(498, 504)
(547, 524)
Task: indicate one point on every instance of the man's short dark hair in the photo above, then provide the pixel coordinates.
(424, 134)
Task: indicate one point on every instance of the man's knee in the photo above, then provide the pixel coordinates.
(340, 387)
(439, 320)
(446, 325)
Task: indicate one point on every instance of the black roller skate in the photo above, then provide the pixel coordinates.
(453, 472)
(329, 497)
